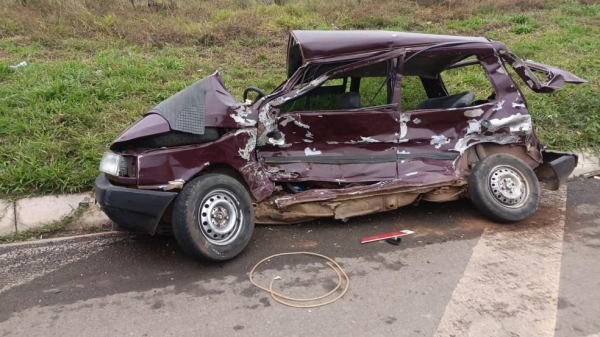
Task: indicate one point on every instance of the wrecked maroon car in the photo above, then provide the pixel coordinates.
(366, 122)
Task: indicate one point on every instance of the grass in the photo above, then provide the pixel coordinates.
(95, 67)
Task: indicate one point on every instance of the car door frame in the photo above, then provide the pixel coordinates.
(431, 140)
(286, 159)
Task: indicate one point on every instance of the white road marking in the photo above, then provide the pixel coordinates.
(27, 263)
(40, 242)
(510, 285)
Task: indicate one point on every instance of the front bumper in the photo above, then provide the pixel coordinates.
(130, 208)
(556, 168)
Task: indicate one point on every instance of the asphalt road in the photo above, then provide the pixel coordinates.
(458, 275)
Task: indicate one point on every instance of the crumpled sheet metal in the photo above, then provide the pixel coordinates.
(157, 166)
(205, 103)
(269, 214)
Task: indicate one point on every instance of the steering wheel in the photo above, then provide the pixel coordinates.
(260, 93)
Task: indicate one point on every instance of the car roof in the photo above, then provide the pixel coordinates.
(315, 44)
(325, 46)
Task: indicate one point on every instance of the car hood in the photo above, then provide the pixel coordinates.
(205, 103)
(146, 126)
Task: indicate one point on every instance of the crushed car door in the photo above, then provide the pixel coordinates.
(348, 142)
(437, 130)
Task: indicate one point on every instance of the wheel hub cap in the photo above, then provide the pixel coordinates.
(507, 186)
(220, 217)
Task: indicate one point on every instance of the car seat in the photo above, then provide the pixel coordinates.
(453, 101)
(349, 100)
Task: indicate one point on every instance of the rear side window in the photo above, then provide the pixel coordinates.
(444, 81)
(470, 78)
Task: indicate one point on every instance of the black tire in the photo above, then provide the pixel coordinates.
(211, 235)
(504, 188)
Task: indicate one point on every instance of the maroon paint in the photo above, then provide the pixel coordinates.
(338, 45)
(184, 162)
(556, 78)
(337, 133)
(453, 124)
(257, 179)
(146, 126)
(220, 105)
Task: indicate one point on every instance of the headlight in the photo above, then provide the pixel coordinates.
(111, 163)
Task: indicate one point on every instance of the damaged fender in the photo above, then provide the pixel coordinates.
(235, 149)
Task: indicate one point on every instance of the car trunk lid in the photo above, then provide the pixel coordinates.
(555, 77)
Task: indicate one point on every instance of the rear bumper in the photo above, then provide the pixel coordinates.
(556, 168)
(130, 208)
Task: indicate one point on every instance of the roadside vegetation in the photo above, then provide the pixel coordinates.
(93, 67)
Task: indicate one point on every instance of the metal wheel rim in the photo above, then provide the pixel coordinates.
(219, 217)
(508, 186)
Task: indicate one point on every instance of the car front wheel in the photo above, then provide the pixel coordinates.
(213, 218)
(504, 188)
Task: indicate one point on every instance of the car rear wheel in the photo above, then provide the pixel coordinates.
(213, 218)
(504, 188)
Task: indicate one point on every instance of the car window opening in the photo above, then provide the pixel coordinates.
(361, 88)
(442, 86)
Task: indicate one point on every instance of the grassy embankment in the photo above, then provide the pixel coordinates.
(93, 69)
